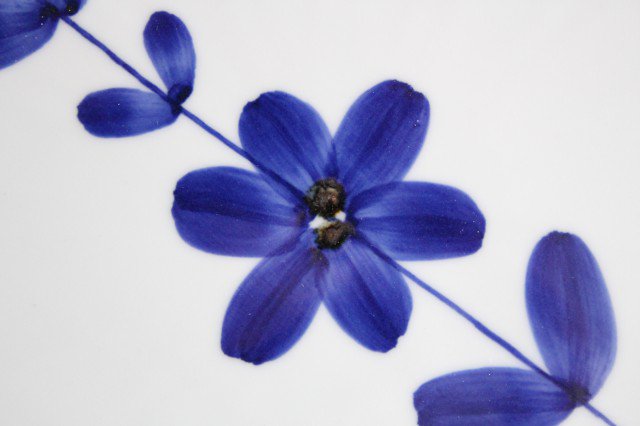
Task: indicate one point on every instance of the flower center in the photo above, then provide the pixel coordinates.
(333, 234)
(325, 198)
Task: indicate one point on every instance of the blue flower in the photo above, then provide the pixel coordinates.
(26, 25)
(128, 112)
(573, 324)
(317, 240)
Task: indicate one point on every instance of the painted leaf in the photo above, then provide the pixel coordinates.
(570, 313)
(491, 396)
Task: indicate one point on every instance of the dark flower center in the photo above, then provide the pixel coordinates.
(333, 235)
(326, 197)
(49, 11)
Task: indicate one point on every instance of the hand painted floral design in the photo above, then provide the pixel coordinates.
(573, 324)
(27, 25)
(348, 197)
(128, 112)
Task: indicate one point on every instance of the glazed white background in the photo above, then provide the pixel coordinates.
(108, 318)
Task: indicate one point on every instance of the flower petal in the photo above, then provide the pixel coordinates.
(170, 48)
(570, 313)
(491, 396)
(20, 16)
(124, 112)
(234, 212)
(69, 7)
(418, 220)
(368, 298)
(287, 136)
(15, 47)
(380, 136)
(272, 307)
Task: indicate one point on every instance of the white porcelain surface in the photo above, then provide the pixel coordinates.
(108, 318)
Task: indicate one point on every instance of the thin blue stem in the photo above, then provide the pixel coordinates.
(191, 116)
(297, 193)
(479, 325)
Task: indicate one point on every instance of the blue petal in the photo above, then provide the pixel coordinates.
(273, 307)
(417, 220)
(491, 396)
(287, 136)
(170, 47)
(124, 112)
(367, 297)
(570, 313)
(380, 136)
(20, 16)
(15, 47)
(234, 212)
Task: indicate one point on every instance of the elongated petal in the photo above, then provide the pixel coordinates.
(368, 298)
(287, 136)
(15, 47)
(234, 212)
(124, 112)
(380, 136)
(570, 313)
(273, 307)
(418, 220)
(491, 396)
(170, 48)
(20, 16)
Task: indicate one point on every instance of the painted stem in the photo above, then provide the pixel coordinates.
(480, 326)
(191, 116)
(297, 193)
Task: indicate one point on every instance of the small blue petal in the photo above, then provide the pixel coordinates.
(170, 48)
(233, 212)
(273, 306)
(491, 396)
(20, 16)
(366, 296)
(570, 313)
(124, 112)
(20, 41)
(287, 136)
(417, 220)
(381, 136)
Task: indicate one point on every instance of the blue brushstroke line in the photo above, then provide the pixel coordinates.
(480, 326)
(441, 297)
(198, 121)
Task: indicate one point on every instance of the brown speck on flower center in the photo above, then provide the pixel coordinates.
(325, 198)
(333, 235)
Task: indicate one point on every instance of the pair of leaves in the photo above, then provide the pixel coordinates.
(127, 112)
(572, 320)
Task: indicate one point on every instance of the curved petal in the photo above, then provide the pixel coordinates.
(124, 112)
(368, 298)
(381, 136)
(273, 306)
(20, 16)
(15, 47)
(234, 212)
(287, 136)
(570, 313)
(419, 220)
(170, 48)
(491, 396)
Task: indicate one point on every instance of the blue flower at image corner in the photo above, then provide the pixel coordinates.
(319, 241)
(124, 112)
(27, 25)
(573, 324)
